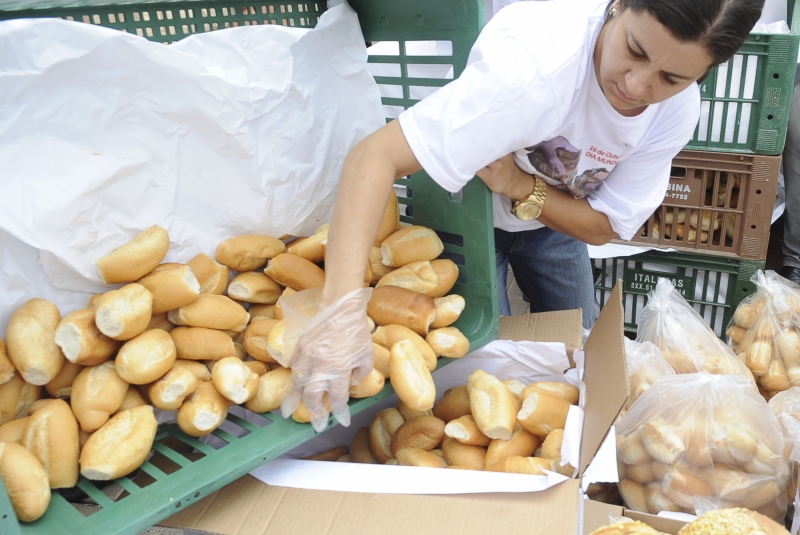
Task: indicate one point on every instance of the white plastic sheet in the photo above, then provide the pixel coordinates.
(103, 133)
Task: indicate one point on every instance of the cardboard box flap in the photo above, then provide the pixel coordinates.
(605, 375)
(560, 326)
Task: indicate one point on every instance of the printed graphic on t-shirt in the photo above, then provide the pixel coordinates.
(557, 159)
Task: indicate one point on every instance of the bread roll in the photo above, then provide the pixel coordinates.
(360, 450)
(198, 369)
(81, 341)
(383, 426)
(417, 457)
(332, 454)
(271, 387)
(234, 380)
(133, 260)
(522, 465)
(172, 285)
(409, 413)
(255, 339)
(423, 432)
(736, 333)
(551, 447)
(630, 449)
(133, 398)
(25, 480)
(275, 344)
(203, 411)
(303, 415)
(747, 313)
(277, 311)
(51, 434)
(776, 379)
(564, 391)
(657, 501)
(16, 397)
(459, 454)
(466, 431)
(248, 252)
(120, 446)
(758, 356)
(258, 368)
(542, 413)
(376, 266)
(213, 312)
(261, 312)
(411, 244)
(453, 404)
(416, 276)
(254, 287)
(734, 521)
(368, 386)
(159, 321)
(633, 494)
(6, 368)
(448, 342)
(522, 443)
(211, 276)
(381, 362)
(447, 273)
(492, 405)
(448, 310)
(390, 220)
(640, 473)
(394, 305)
(124, 313)
(411, 378)
(36, 405)
(201, 343)
(97, 393)
(11, 431)
(145, 358)
(61, 385)
(30, 341)
(295, 272)
(662, 441)
(170, 391)
(309, 248)
(388, 335)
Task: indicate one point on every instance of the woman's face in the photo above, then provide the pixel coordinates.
(638, 62)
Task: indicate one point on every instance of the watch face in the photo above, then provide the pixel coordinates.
(527, 211)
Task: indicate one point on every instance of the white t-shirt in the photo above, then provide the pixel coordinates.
(530, 88)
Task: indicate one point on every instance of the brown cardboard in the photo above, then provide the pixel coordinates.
(561, 326)
(597, 515)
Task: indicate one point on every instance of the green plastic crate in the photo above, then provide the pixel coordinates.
(750, 117)
(171, 480)
(714, 286)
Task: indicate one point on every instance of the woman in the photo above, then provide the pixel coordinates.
(571, 112)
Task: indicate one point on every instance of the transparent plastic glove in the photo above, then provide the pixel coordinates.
(328, 350)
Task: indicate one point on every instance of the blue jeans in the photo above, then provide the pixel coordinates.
(553, 271)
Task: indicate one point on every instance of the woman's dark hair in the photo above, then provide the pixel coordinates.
(720, 26)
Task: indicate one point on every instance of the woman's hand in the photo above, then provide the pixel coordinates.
(503, 176)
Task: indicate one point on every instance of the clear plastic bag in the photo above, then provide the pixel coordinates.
(786, 407)
(685, 341)
(645, 364)
(701, 435)
(330, 350)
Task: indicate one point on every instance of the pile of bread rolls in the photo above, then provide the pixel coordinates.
(487, 424)
(701, 436)
(78, 392)
(765, 333)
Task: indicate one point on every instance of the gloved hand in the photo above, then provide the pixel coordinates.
(330, 350)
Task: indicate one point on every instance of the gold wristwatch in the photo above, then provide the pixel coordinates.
(531, 206)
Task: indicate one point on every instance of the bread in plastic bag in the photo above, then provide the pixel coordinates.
(786, 407)
(685, 341)
(705, 436)
(645, 364)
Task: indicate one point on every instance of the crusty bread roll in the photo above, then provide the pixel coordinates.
(203, 411)
(522, 465)
(255, 339)
(376, 266)
(25, 480)
(394, 305)
(424, 432)
(97, 393)
(261, 312)
(133, 398)
(124, 313)
(776, 379)
(303, 415)
(515, 387)
(522, 443)
(198, 369)
(201, 343)
(360, 451)
(748, 312)
(447, 274)
(456, 453)
(120, 446)
(310, 248)
(439, 455)
(254, 287)
(145, 358)
(6, 367)
(332, 454)
(416, 276)
(409, 413)
(657, 501)
(11, 431)
(453, 404)
(275, 344)
(234, 380)
(735, 521)
(248, 252)
(211, 311)
(30, 341)
(257, 367)
(51, 434)
(390, 220)
(170, 391)
(383, 426)
(277, 311)
(417, 457)
(411, 378)
(160, 321)
(61, 385)
(381, 362)
(542, 413)
(448, 342)
(492, 405)
(388, 335)
(368, 386)
(295, 272)
(630, 449)
(564, 391)
(448, 310)
(662, 441)
(211, 276)
(36, 405)
(410, 244)
(172, 285)
(758, 356)
(16, 397)
(81, 341)
(271, 387)
(465, 430)
(131, 261)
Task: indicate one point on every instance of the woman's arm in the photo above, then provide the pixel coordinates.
(369, 171)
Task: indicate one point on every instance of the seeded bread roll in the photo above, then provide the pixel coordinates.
(170, 391)
(97, 393)
(51, 434)
(409, 413)
(6, 367)
(390, 220)
(388, 335)
(453, 404)
(368, 386)
(447, 274)
(200, 343)
(124, 313)
(25, 480)
(310, 248)
(203, 411)
(384, 425)
(735, 521)
(394, 305)
(172, 285)
(211, 276)
(271, 387)
(295, 272)
(16, 397)
(542, 413)
(11, 431)
(376, 266)
(120, 446)
(255, 339)
(198, 369)
(30, 341)
(360, 451)
(234, 380)
(248, 252)
(416, 276)
(411, 378)
(521, 443)
(213, 312)
(254, 287)
(564, 391)
(136, 258)
(448, 310)
(424, 432)
(410, 244)
(448, 342)
(145, 358)
(456, 453)
(81, 341)
(132, 399)
(466, 431)
(492, 405)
